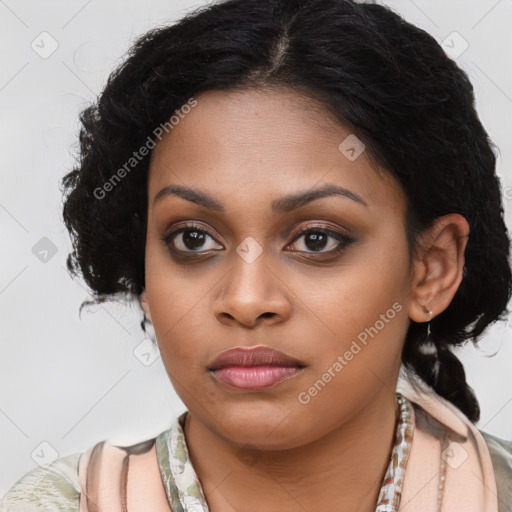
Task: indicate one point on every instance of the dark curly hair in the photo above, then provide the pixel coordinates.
(388, 81)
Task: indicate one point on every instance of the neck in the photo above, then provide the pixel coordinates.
(346, 466)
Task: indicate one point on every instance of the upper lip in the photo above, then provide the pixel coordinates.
(253, 356)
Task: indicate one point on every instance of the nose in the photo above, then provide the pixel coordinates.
(252, 293)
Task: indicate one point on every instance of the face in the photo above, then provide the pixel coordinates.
(232, 260)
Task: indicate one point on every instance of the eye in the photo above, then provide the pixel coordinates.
(320, 239)
(190, 238)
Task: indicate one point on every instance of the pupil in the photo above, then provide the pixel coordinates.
(318, 240)
(193, 239)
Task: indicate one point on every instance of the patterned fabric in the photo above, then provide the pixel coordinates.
(184, 488)
(55, 489)
(181, 483)
(391, 491)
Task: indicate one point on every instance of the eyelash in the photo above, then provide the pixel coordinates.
(344, 240)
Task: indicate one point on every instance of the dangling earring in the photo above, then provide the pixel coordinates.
(427, 346)
(430, 348)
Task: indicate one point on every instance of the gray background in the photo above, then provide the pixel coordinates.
(68, 382)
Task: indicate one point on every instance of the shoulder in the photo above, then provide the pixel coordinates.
(53, 488)
(58, 487)
(501, 455)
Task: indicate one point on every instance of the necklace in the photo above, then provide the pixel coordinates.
(442, 473)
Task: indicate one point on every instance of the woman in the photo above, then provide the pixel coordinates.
(304, 201)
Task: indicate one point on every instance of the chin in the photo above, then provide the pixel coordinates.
(263, 426)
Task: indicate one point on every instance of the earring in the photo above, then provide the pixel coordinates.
(429, 313)
(430, 348)
(427, 346)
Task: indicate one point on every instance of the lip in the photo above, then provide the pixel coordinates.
(254, 368)
(253, 356)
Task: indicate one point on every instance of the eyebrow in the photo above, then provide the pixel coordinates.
(282, 205)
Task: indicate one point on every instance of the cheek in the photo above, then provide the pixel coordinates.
(176, 305)
(362, 311)
(178, 319)
(367, 321)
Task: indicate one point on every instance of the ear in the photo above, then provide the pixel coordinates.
(438, 267)
(145, 304)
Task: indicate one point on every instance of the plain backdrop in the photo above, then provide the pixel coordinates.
(67, 382)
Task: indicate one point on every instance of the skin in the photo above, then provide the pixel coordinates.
(247, 149)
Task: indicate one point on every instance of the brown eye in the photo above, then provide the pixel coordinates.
(320, 240)
(190, 239)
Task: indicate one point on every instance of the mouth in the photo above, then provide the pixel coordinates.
(254, 368)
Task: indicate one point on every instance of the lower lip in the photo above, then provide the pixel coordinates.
(255, 377)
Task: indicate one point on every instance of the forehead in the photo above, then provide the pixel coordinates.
(262, 144)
